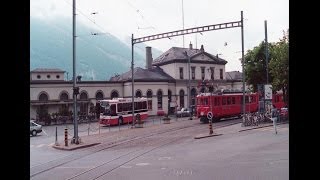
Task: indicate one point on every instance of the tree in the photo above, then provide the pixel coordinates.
(279, 65)
(255, 66)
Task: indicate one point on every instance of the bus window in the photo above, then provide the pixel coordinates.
(120, 107)
(233, 100)
(113, 110)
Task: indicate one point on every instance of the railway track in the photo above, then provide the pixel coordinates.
(155, 141)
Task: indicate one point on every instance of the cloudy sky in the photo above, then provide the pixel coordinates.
(147, 17)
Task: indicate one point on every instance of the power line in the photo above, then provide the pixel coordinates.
(93, 13)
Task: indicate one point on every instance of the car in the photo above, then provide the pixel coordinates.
(183, 113)
(35, 128)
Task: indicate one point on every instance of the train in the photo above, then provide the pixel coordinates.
(225, 105)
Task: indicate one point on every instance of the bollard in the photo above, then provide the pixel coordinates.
(99, 128)
(66, 137)
(210, 127)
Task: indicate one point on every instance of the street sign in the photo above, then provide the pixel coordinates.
(267, 91)
(209, 115)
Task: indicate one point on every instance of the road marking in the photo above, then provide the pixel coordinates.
(51, 144)
(64, 167)
(142, 164)
(164, 158)
(41, 145)
(126, 166)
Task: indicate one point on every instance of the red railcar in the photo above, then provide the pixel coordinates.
(229, 105)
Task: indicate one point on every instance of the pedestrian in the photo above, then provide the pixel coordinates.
(274, 116)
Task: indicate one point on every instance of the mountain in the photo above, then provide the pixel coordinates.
(97, 57)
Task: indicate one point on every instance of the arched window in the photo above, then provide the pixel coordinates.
(193, 96)
(99, 95)
(138, 93)
(43, 97)
(114, 94)
(181, 97)
(83, 105)
(149, 97)
(83, 96)
(64, 96)
(159, 97)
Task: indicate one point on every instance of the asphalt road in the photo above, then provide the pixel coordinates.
(254, 154)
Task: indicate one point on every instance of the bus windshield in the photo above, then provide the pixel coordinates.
(105, 108)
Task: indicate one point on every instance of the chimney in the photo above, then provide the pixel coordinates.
(190, 45)
(148, 58)
(201, 49)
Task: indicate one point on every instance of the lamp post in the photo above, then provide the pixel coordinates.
(75, 139)
(188, 102)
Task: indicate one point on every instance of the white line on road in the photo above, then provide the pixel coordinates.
(41, 145)
(64, 167)
(45, 133)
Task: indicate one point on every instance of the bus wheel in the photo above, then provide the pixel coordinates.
(120, 120)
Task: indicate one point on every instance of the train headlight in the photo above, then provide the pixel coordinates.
(202, 113)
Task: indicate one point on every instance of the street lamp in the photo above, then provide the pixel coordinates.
(188, 102)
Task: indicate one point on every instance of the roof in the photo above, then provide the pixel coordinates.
(47, 70)
(154, 74)
(234, 75)
(177, 54)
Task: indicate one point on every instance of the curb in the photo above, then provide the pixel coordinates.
(68, 148)
(205, 136)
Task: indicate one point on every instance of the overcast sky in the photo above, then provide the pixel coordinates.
(147, 17)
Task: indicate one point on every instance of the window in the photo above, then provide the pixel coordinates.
(149, 97)
(181, 72)
(216, 101)
(159, 96)
(181, 95)
(202, 73)
(48, 76)
(212, 73)
(83, 96)
(99, 95)
(64, 96)
(43, 97)
(38, 76)
(138, 93)
(233, 100)
(57, 76)
(229, 100)
(221, 73)
(224, 100)
(193, 73)
(193, 96)
(114, 94)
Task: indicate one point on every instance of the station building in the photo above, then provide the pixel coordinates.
(164, 82)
